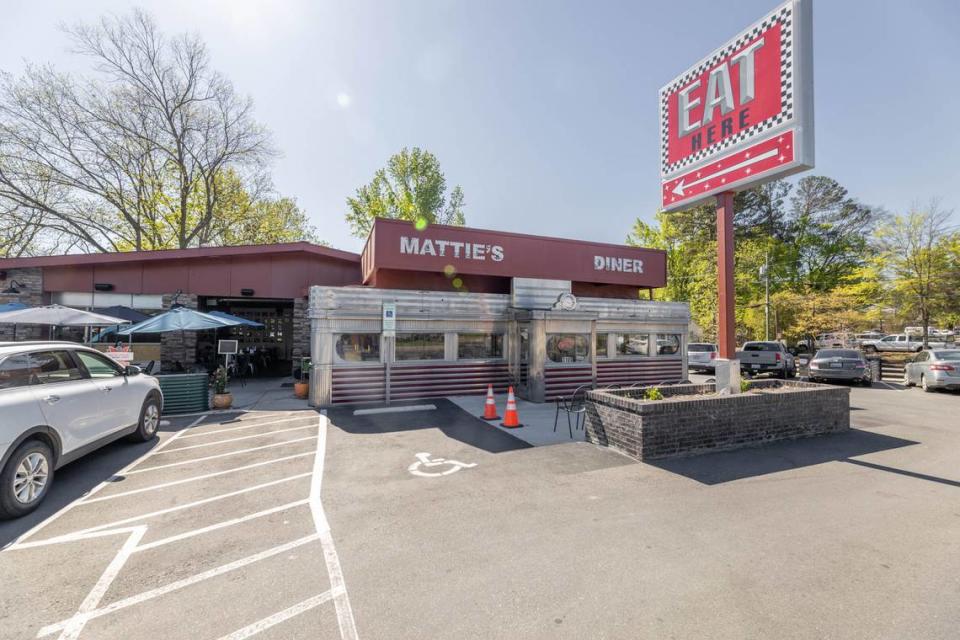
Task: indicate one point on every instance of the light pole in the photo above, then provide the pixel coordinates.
(765, 274)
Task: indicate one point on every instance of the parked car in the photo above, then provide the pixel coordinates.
(839, 364)
(60, 401)
(900, 342)
(934, 369)
(767, 357)
(701, 356)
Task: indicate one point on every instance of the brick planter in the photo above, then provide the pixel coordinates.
(686, 422)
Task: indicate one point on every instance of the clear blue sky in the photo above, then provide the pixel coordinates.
(544, 112)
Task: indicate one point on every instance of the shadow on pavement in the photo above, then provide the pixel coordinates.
(75, 479)
(450, 419)
(80, 476)
(716, 468)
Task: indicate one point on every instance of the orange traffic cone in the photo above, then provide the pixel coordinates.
(490, 406)
(510, 417)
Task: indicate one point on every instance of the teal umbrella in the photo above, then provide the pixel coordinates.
(223, 315)
(179, 319)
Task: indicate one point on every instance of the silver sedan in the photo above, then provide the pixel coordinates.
(839, 364)
(935, 369)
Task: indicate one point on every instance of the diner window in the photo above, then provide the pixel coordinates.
(419, 346)
(633, 344)
(568, 347)
(668, 344)
(601, 347)
(474, 346)
(358, 347)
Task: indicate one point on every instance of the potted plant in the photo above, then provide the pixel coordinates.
(301, 388)
(222, 398)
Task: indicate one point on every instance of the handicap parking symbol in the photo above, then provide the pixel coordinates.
(425, 462)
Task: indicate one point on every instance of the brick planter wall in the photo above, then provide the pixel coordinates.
(685, 423)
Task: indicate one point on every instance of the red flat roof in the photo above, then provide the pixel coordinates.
(78, 259)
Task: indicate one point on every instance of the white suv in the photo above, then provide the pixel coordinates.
(58, 402)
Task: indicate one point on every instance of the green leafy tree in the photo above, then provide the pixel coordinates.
(916, 251)
(411, 187)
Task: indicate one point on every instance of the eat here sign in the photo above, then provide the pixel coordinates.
(743, 115)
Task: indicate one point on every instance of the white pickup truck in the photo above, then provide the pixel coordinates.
(901, 342)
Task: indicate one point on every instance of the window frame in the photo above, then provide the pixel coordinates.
(630, 356)
(676, 354)
(606, 348)
(503, 346)
(337, 360)
(442, 358)
(553, 363)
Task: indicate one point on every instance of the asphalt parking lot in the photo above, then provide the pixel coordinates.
(440, 526)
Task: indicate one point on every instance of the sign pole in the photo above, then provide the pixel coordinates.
(726, 291)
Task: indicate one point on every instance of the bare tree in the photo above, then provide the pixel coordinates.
(913, 250)
(130, 158)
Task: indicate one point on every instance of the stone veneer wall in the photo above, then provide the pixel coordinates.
(177, 345)
(31, 294)
(684, 423)
(301, 331)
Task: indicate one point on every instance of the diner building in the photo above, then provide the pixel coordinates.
(420, 312)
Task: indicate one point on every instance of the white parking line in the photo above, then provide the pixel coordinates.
(205, 476)
(126, 470)
(277, 618)
(92, 601)
(68, 537)
(345, 619)
(222, 525)
(219, 455)
(179, 584)
(250, 437)
(200, 434)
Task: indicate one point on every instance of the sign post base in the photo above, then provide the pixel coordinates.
(727, 373)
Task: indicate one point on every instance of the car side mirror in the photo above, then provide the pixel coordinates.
(131, 370)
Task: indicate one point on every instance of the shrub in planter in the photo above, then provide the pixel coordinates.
(301, 388)
(222, 398)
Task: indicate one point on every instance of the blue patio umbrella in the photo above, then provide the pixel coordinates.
(179, 319)
(119, 311)
(229, 316)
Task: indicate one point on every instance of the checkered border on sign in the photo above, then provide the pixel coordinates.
(785, 17)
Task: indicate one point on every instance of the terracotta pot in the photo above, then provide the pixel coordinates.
(301, 389)
(222, 400)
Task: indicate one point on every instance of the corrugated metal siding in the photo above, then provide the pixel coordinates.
(184, 392)
(367, 384)
(562, 381)
(359, 384)
(646, 371)
(407, 382)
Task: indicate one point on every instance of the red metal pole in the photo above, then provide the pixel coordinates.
(726, 298)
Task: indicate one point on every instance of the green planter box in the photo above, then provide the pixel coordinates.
(184, 392)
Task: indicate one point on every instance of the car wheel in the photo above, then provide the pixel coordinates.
(149, 420)
(870, 348)
(25, 480)
(923, 384)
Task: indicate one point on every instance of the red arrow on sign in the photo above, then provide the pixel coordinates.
(731, 172)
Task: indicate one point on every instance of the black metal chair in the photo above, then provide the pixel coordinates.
(575, 403)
